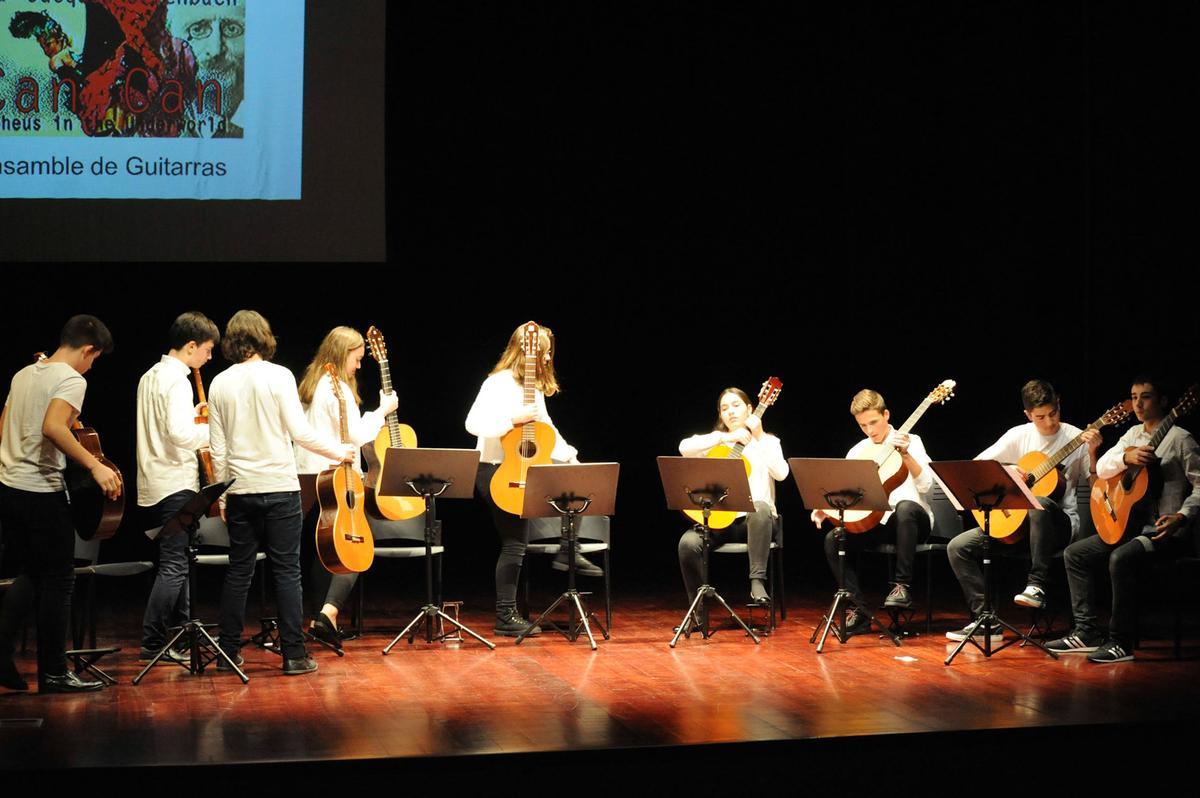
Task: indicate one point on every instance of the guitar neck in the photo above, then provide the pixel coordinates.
(392, 418)
(200, 391)
(909, 423)
(529, 384)
(1062, 454)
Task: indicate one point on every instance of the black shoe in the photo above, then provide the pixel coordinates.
(857, 622)
(510, 624)
(172, 655)
(583, 566)
(10, 677)
(67, 683)
(224, 667)
(299, 666)
(324, 630)
(898, 598)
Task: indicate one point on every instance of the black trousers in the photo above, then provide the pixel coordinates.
(906, 527)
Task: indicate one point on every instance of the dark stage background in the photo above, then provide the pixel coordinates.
(700, 195)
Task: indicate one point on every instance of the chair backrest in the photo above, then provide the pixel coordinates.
(87, 552)
(947, 522)
(412, 530)
(588, 527)
(1083, 500)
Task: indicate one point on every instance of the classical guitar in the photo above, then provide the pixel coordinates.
(1044, 478)
(95, 515)
(208, 475)
(892, 470)
(719, 519)
(393, 435)
(526, 444)
(344, 541)
(1113, 499)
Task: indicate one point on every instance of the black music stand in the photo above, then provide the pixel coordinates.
(204, 650)
(570, 491)
(986, 485)
(430, 474)
(706, 483)
(835, 486)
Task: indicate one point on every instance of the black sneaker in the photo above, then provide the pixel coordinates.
(172, 655)
(67, 683)
(898, 598)
(223, 666)
(299, 666)
(1111, 651)
(857, 622)
(958, 635)
(583, 566)
(1075, 643)
(510, 624)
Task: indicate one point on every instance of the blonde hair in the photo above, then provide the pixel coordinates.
(513, 359)
(247, 334)
(334, 349)
(865, 400)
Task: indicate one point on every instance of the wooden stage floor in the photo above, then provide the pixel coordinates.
(452, 700)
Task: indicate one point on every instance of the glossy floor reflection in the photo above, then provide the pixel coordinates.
(549, 694)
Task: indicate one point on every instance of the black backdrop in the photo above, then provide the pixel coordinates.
(701, 195)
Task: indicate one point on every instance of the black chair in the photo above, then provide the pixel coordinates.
(399, 540)
(594, 534)
(775, 580)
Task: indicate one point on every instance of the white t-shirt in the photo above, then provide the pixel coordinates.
(1019, 441)
(254, 415)
(765, 454)
(500, 398)
(28, 460)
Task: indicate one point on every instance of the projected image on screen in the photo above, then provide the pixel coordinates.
(151, 98)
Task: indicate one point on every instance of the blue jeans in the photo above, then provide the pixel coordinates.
(168, 602)
(276, 519)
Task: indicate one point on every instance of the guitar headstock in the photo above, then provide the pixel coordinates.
(334, 381)
(943, 393)
(1116, 414)
(530, 344)
(770, 391)
(1187, 403)
(376, 344)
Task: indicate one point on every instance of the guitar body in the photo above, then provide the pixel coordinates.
(892, 473)
(508, 483)
(344, 541)
(396, 508)
(96, 517)
(1113, 500)
(718, 519)
(1006, 525)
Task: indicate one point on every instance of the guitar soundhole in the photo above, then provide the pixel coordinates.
(350, 499)
(527, 449)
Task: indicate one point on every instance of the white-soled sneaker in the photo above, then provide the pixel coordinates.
(959, 635)
(1074, 643)
(1111, 651)
(1032, 596)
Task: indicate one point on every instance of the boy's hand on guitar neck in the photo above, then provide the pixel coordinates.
(1141, 456)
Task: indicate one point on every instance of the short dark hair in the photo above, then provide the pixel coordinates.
(193, 326)
(247, 334)
(1149, 378)
(1036, 393)
(84, 330)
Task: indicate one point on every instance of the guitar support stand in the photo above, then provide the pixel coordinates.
(431, 611)
(697, 613)
(573, 598)
(837, 610)
(988, 619)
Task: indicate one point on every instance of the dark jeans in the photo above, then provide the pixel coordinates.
(39, 534)
(1083, 558)
(514, 535)
(1049, 530)
(906, 527)
(276, 519)
(754, 529)
(168, 602)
